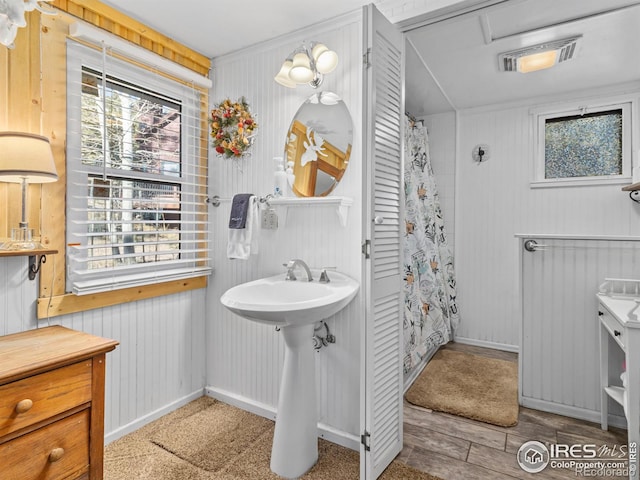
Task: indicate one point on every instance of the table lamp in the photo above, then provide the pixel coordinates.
(25, 158)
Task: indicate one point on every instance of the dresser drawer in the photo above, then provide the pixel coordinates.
(31, 400)
(613, 326)
(59, 450)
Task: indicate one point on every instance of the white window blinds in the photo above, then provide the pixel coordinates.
(136, 175)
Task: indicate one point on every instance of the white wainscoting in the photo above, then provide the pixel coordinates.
(159, 361)
(559, 364)
(244, 358)
(17, 296)
(159, 364)
(494, 202)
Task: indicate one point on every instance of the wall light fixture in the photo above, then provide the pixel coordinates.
(307, 64)
(12, 16)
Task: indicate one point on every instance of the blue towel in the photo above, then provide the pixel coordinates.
(239, 207)
(243, 242)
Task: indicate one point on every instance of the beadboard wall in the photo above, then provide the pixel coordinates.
(244, 359)
(559, 361)
(494, 201)
(442, 150)
(158, 365)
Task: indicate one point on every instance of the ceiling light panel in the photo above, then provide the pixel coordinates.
(538, 57)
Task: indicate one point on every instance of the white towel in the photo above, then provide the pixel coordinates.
(244, 241)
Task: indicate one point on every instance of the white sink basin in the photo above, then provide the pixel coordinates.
(294, 306)
(276, 301)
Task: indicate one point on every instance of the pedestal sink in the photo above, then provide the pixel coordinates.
(294, 306)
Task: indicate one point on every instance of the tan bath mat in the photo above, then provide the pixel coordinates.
(470, 386)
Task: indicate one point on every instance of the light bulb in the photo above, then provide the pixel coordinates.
(326, 60)
(283, 75)
(301, 69)
(537, 61)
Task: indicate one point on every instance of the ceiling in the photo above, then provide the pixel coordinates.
(461, 53)
(451, 54)
(214, 28)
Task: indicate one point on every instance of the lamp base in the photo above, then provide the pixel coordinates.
(22, 239)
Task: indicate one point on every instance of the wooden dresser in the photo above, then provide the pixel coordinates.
(52, 404)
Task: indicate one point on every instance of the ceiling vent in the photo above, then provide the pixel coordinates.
(538, 57)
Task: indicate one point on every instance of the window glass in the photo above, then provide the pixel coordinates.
(584, 145)
(130, 221)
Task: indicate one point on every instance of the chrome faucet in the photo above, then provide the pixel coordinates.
(291, 265)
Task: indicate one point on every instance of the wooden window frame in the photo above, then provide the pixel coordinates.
(53, 299)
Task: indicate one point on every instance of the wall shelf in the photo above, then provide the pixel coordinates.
(341, 204)
(631, 188)
(24, 253)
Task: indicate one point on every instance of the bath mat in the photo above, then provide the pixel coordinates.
(210, 438)
(471, 386)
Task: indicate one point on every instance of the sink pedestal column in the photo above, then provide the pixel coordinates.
(295, 440)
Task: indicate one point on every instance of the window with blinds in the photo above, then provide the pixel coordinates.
(136, 177)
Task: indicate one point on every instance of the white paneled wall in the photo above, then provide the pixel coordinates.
(159, 362)
(17, 296)
(494, 202)
(442, 150)
(244, 359)
(559, 363)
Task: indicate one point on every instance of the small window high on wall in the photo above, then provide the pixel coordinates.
(582, 145)
(136, 187)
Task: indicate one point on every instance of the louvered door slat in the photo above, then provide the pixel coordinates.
(382, 364)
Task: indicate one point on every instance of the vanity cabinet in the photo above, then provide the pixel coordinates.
(618, 321)
(52, 404)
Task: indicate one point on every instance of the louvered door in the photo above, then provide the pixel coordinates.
(382, 359)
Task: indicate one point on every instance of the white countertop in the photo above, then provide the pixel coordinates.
(620, 306)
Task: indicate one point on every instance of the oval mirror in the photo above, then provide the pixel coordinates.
(319, 145)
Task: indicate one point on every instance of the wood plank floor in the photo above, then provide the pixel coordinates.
(456, 448)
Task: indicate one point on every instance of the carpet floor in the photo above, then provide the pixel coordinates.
(471, 386)
(210, 440)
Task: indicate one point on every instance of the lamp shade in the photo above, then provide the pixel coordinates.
(283, 75)
(301, 69)
(26, 156)
(326, 60)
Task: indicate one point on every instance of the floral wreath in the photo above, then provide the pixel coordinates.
(231, 128)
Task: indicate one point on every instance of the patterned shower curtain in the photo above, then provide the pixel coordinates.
(430, 311)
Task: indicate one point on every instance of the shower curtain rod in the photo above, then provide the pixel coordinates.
(413, 120)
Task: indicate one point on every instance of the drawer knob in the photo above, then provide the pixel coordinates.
(56, 454)
(600, 314)
(616, 333)
(24, 406)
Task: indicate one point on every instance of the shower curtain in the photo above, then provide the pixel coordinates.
(430, 311)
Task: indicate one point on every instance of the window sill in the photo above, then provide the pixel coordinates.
(582, 182)
(48, 307)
